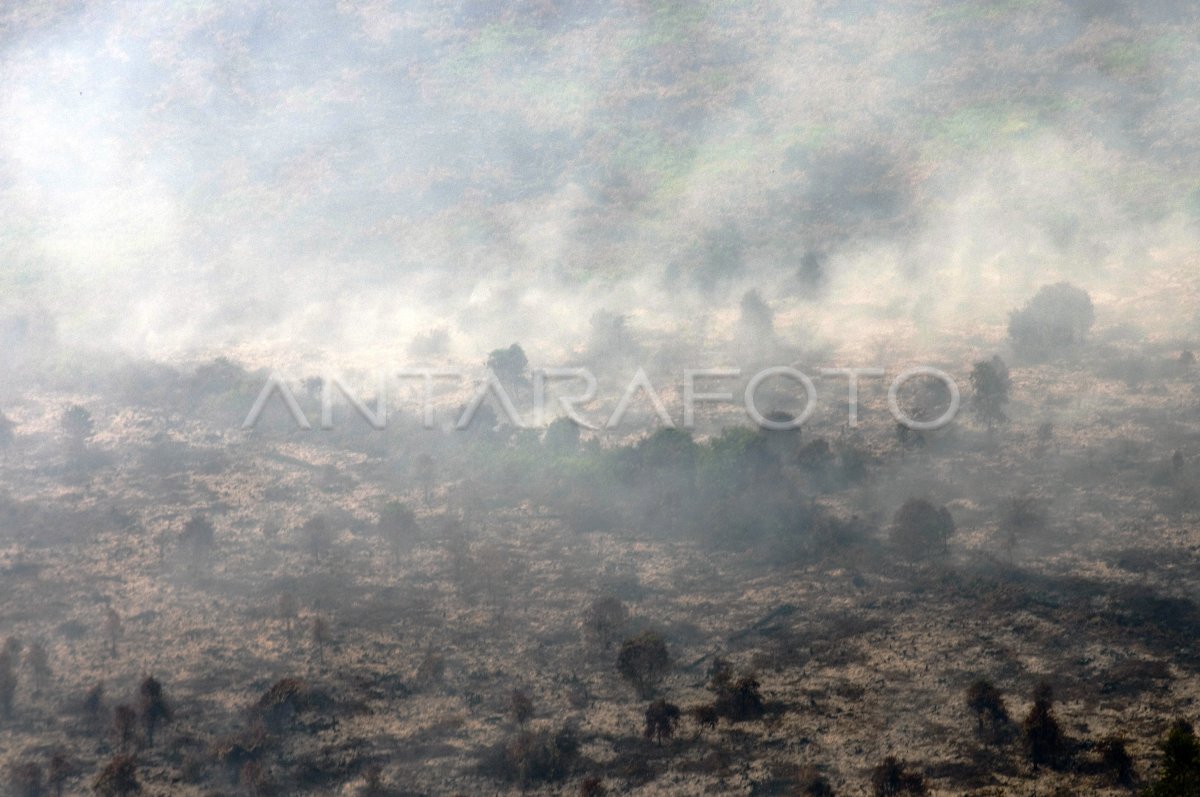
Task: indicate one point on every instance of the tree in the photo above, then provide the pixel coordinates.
(520, 706)
(8, 684)
(1040, 732)
(397, 525)
(990, 386)
(1019, 517)
(78, 425)
(1116, 759)
(7, 433)
(605, 620)
(155, 709)
(432, 669)
(112, 629)
(643, 661)
(705, 716)
(118, 778)
(315, 533)
(1179, 773)
(891, 778)
(662, 718)
(535, 756)
(288, 608)
(25, 779)
(1058, 317)
(813, 784)
(510, 366)
(592, 786)
(124, 724)
(426, 476)
(37, 661)
(741, 700)
(284, 700)
(987, 704)
(561, 436)
(197, 538)
(319, 634)
(757, 318)
(920, 529)
(93, 709)
(60, 771)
